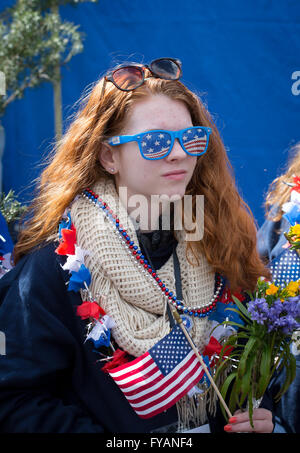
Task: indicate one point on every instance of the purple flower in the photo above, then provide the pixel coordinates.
(258, 309)
(286, 323)
(275, 310)
(292, 306)
(279, 316)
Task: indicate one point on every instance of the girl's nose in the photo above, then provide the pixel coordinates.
(177, 152)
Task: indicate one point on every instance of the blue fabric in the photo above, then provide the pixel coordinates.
(239, 55)
(293, 216)
(287, 412)
(6, 245)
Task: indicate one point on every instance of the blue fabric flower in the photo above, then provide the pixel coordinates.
(222, 314)
(293, 216)
(103, 340)
(78, 279)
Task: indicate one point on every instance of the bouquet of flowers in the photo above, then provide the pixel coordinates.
(261, 345)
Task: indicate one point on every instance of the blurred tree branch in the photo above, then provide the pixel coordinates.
(34, 44)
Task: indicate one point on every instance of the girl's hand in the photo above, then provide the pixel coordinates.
(240, 423)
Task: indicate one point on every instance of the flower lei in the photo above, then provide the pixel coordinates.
(80, 278)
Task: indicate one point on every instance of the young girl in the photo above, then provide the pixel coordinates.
(91, 290)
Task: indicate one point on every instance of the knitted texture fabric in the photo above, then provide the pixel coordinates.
(131, 296)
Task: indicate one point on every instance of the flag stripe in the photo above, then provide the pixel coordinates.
(157, 154)
(173, 376)
(124, 369)
(142, 382)
(140, 372)
(195, 145)
(177, 370)
(166, 403)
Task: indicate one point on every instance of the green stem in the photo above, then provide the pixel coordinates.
(278, 360)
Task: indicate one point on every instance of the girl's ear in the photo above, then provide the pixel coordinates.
(108, 158)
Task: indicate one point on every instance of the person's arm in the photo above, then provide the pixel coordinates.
(39, 352)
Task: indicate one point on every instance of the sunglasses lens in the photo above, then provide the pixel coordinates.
(166, 69)
(155, 145)
(195, 141)
(128, 78)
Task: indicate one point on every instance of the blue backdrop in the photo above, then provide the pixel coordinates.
(240, 56)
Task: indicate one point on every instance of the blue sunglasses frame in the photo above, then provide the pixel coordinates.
(120, 139)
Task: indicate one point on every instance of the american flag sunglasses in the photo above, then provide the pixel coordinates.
(128, 77)
(157, 144)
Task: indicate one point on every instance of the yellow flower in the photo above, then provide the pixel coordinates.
(292, 288)
(295, 229)
(272, 290)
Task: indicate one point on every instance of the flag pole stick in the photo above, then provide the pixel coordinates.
(179, 321)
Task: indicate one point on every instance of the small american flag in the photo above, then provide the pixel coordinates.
(161, 376)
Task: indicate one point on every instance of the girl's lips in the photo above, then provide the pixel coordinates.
(177, 176)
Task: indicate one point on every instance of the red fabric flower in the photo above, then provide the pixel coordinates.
(214, 347)
(89, 310)
(119, 358)
(227, 296)
(67, 245)
(296, 181)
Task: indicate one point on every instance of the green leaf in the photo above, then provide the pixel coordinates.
(245, 380)
(241, 307)
(264, 371)
(232, 323)
(251, 344)
(238, 312)
(225, 387)
(250, 407)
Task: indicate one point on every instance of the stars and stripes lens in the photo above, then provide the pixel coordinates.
(158, 144)
(194, 141)
(155, 144)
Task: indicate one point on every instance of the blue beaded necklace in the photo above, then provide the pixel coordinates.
(140, 259)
